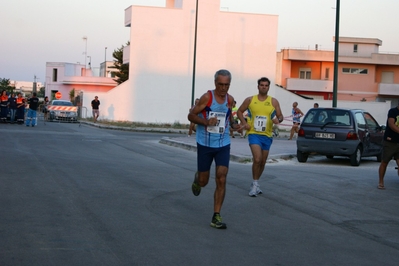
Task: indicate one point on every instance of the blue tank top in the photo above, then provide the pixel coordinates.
(215, 136)
(296, 117)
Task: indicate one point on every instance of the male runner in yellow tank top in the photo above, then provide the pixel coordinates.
(263, 112)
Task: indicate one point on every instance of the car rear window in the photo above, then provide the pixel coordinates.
(322, 116)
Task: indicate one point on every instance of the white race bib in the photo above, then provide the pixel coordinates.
(260, 123)
(219, 128)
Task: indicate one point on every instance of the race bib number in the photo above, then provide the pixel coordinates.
(219, 128)
(260, 123)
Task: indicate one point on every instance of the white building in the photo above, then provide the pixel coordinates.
(161, 55)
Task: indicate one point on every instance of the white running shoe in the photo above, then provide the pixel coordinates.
(254, 190)
(258, 191)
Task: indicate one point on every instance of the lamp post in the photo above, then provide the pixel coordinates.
(335, 82)
(85, 39)
(105, 62)
(195, 53)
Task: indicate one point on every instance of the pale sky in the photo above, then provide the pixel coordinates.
(34, 32)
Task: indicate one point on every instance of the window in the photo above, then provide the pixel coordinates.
(371, 123)
(361, 122)
(355, 48)
(327, 76)
(305, 73)
(55, 74)
(348, 70)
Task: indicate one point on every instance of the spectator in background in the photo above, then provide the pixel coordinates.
(20, 109)
(315, 105)
(3, 106)
(45, 105)
(95, 104)
(12, 104)
(31, 117)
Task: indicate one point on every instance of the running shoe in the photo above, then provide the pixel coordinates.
(217, 222)
(195, 187)
(254, 190)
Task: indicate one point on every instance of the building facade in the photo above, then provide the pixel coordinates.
(161, 54)
(364, 74)
(67, 77)
(25, 87)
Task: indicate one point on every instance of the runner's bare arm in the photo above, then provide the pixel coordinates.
(240, 113)
(279, 115)
(193, 115)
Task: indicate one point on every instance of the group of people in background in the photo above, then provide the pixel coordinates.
(15, 107)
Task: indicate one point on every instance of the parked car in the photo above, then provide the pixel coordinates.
(62, 110)
(339, 132)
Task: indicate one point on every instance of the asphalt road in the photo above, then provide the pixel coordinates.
(79, 195)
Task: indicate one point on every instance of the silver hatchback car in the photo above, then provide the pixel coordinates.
(339, 132)
(62, 110)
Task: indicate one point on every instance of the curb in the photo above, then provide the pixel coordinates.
(233, 157)
(191, 147)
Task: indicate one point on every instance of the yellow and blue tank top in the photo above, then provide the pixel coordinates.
(215, 136)
(259, 116)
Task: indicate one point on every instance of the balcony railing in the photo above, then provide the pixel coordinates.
(310, 85)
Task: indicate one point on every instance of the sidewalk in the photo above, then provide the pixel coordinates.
(282, 148)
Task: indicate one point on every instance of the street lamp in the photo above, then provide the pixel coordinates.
(335, 82)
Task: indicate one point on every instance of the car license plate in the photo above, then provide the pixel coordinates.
(64, 114)
(321, 135)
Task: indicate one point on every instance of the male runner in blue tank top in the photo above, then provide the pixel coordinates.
(212, 114)
(263, 112)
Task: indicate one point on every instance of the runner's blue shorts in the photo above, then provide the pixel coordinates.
(206, 155)
(264, 142)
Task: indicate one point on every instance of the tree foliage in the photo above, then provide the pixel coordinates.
(41, 92)
(5, 85)
(123, 74)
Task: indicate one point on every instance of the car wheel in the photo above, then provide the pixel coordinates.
(330, 156)
(356, 157)
(301, 156)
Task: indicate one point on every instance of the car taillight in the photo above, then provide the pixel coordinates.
(351, 136)
(301, 132)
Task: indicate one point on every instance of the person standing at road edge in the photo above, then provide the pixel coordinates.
(213, 117)
(31, 117)
(263, 112)
(390, 145)
(3, 106)
(95, 104)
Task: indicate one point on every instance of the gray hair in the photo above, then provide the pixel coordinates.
(223, 72)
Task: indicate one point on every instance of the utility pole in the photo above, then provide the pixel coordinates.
(34, 89)
(336, 52)
(85, 39)
(195, 54)
(105, 62)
